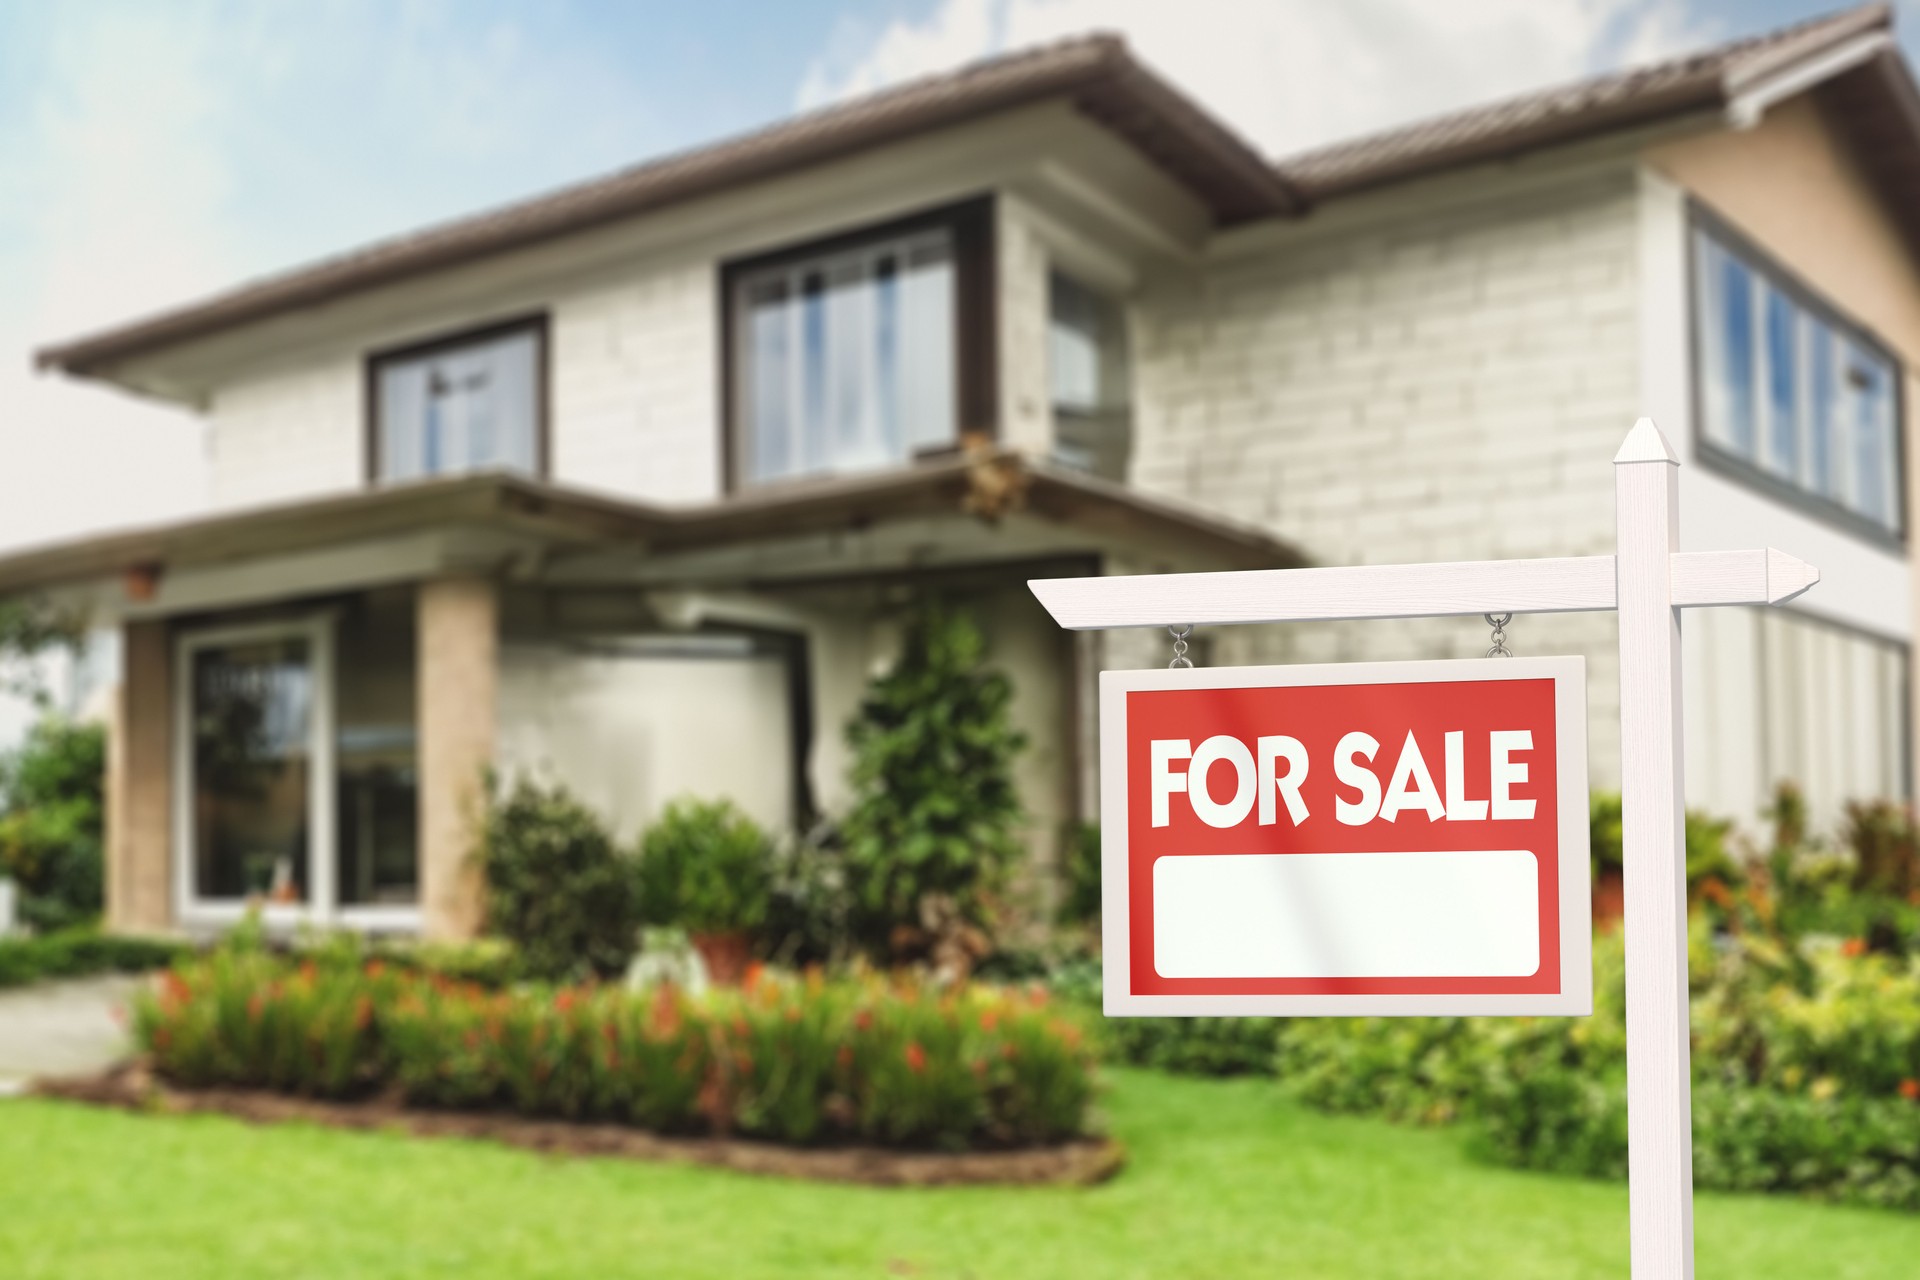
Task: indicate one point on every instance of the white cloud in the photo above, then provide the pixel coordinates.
(1288, 74)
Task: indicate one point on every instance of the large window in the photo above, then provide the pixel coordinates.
(296, 788)
(856, 355)
(463, 404)
(1789, 392)
(1089, 379)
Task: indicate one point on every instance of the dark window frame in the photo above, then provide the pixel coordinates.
(536, 323)
(975, 326)
(1717, 458)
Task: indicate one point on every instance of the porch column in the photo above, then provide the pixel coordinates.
(139, 809)
(458, 635)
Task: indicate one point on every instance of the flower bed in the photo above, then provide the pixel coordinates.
(796, 1060)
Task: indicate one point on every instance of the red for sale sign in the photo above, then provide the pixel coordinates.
(1381, 838)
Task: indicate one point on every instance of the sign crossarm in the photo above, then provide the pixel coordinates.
(1562, 584)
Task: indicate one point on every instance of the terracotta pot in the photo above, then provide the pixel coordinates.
(1609, 900)
(726, 955)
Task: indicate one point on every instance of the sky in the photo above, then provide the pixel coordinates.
(153, 151)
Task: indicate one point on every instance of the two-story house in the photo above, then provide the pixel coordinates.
(632, 483)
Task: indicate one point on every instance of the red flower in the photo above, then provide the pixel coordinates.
(863, 1020)
(1910, 1089)
(916, 1057)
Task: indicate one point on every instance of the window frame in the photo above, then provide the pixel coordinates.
(975, 329)
(1754, 473)
(535, 323)
(322, 905)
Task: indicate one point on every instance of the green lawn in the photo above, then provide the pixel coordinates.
(1226, 1179)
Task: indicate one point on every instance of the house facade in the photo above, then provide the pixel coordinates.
(633, 485)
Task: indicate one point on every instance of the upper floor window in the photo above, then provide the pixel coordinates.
(855, 355)
(466, 403)
(1792, 392)
(1089, 378)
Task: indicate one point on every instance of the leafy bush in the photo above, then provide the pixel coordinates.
(1196, 1046)
(52, 823)
(934, 828)
(556, 886)
(707, 868)
(1080, 875)
(794, 1059)
(73, 953)
(1707, 842)
(245, 1016)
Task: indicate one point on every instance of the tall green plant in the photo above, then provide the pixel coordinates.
(52, 822)
(706, 867)
(935, 825)
(556, 886)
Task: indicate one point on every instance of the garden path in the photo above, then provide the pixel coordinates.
(65, 1028)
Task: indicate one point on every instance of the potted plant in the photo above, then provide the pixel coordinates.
(708, 868)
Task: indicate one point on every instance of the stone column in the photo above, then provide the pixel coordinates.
(458, 637)
(139, 809)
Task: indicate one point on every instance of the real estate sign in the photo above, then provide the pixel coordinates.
(1375, 838)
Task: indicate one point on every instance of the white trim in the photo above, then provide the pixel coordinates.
(1564, 584)
(1575, 996)
(1750, 104)
(322, 856)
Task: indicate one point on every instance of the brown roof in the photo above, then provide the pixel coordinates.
(1875, 101)
(989, 485)
(1704, 80)
(1095, 72)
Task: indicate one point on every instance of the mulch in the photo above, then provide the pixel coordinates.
(1083, 1162)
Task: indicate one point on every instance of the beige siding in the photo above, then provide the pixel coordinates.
(139, 832)
(1437, 386)
(458, 634)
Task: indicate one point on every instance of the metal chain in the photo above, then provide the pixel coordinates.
(1180, 658)
(1499, 621)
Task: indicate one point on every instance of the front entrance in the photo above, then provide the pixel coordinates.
(295, 778)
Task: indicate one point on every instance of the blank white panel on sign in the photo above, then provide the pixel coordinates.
(1371, 915)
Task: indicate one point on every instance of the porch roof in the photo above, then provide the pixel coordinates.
(983, 506)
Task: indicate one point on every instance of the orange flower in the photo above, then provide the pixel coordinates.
(256, 1004)
(755, 972)
(174, 988)
(863, 1020)
(665, 1015)
(844, 1056)
(375, 968)
(362, 1013)
(564, 1000)
(1854, 947)
(1910, 1089)
(916, 1057)
(989, 1019)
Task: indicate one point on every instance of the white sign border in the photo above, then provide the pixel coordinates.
(1575, 998)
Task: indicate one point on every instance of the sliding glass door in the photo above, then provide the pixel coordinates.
(254, 774)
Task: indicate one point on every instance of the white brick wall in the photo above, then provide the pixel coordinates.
(636, 385)
(287, 435)
(1441, 387)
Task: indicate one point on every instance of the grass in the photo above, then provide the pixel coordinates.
(1227, 1179)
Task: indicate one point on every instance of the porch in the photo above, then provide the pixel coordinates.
(313, 694)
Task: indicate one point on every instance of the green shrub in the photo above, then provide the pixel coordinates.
(1196, 1046)
(934, 826)
(707, 868)
(793, 1059)
(52, 822)
(73, 953)
(556, 886)
(1080, 875)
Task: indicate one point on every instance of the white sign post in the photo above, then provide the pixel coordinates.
(1648, 582)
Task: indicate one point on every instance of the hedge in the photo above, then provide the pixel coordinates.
(793, 1059)
(73, 953)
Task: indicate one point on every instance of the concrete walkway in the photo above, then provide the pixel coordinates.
(66, 1028)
